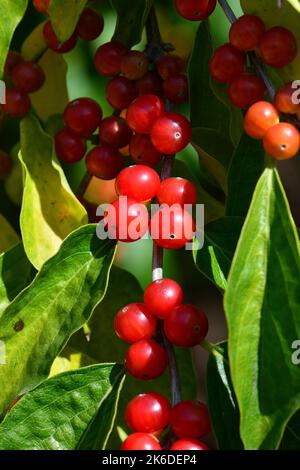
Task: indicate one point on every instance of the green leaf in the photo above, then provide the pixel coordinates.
(220, 240)
(248, 163)
(64, 16)
(8, 236)
(262, 308)
(13, 183)
(39, 322)
(11, 14)
(16, 274)
(50, 211)
(73, 410)
(288, 16)
(130, 20)
(221, 401)
(291, 437)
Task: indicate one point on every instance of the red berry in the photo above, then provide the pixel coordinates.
(114, 131)
(120, 92)
(188, 444)
(146, 360)
(171, 133)
(195, 10)
(134, 65)
(141, 441)
(259, 118)
(127, 221)
(162, 296)
(12, 59)
(17, 103)
(69, 147)
(246, 89)
(169, 65)
(142, 151)
(246, 33)
(41, 5)
(148, 412)
(104, 162)
(139, 182)
(5, 165)
(134, 322)
(143, 112)
(282, 141)
(28, 77)
(108, 58)
(190, 419)
(177, 191)
(186, 326)
(176, 88)
(83, 116)
(226, 63)
(53, 43)
(278, 47)
(283, 100)
(90, 24)
(150, 84)
(172, 228)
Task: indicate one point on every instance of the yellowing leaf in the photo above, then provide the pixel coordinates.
(64, 16)
(50, 211)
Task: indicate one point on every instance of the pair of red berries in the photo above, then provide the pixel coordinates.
(89, 27)
(149, 414)
(26, 77)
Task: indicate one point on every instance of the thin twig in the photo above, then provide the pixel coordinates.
(84, 184)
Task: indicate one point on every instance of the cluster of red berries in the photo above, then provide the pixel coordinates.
(146, 359)
(277, 48)
(195, 10)
(22, 78)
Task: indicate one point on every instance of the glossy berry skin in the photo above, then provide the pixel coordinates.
(143, 112)
(195, 10)
(90, 24)
(141, 441)
(69, 147)
(5, 165)
(246, 33)
(17, 103)
(227, 63)
(283, 100)
(171, 133)
(150, 84)
(83, 116)
(190, 419)
(177, 191)
(134, 65)
(148, 412)
(28, 77)
(104, 162)
(13, 58)
(172, 229)
(41, 5)
(278, 47)
(245, 90)
(188, 444)
(129, 221)
(146, 360)
(120, 92)
(140, 182)
(53, 42)
(259, 118)
(282, 141)
(108, 58)
(114, 131)
(176, 88)
(142, 151)
(186, 326)
(169, 65)
(134, 322)
(162, 296)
